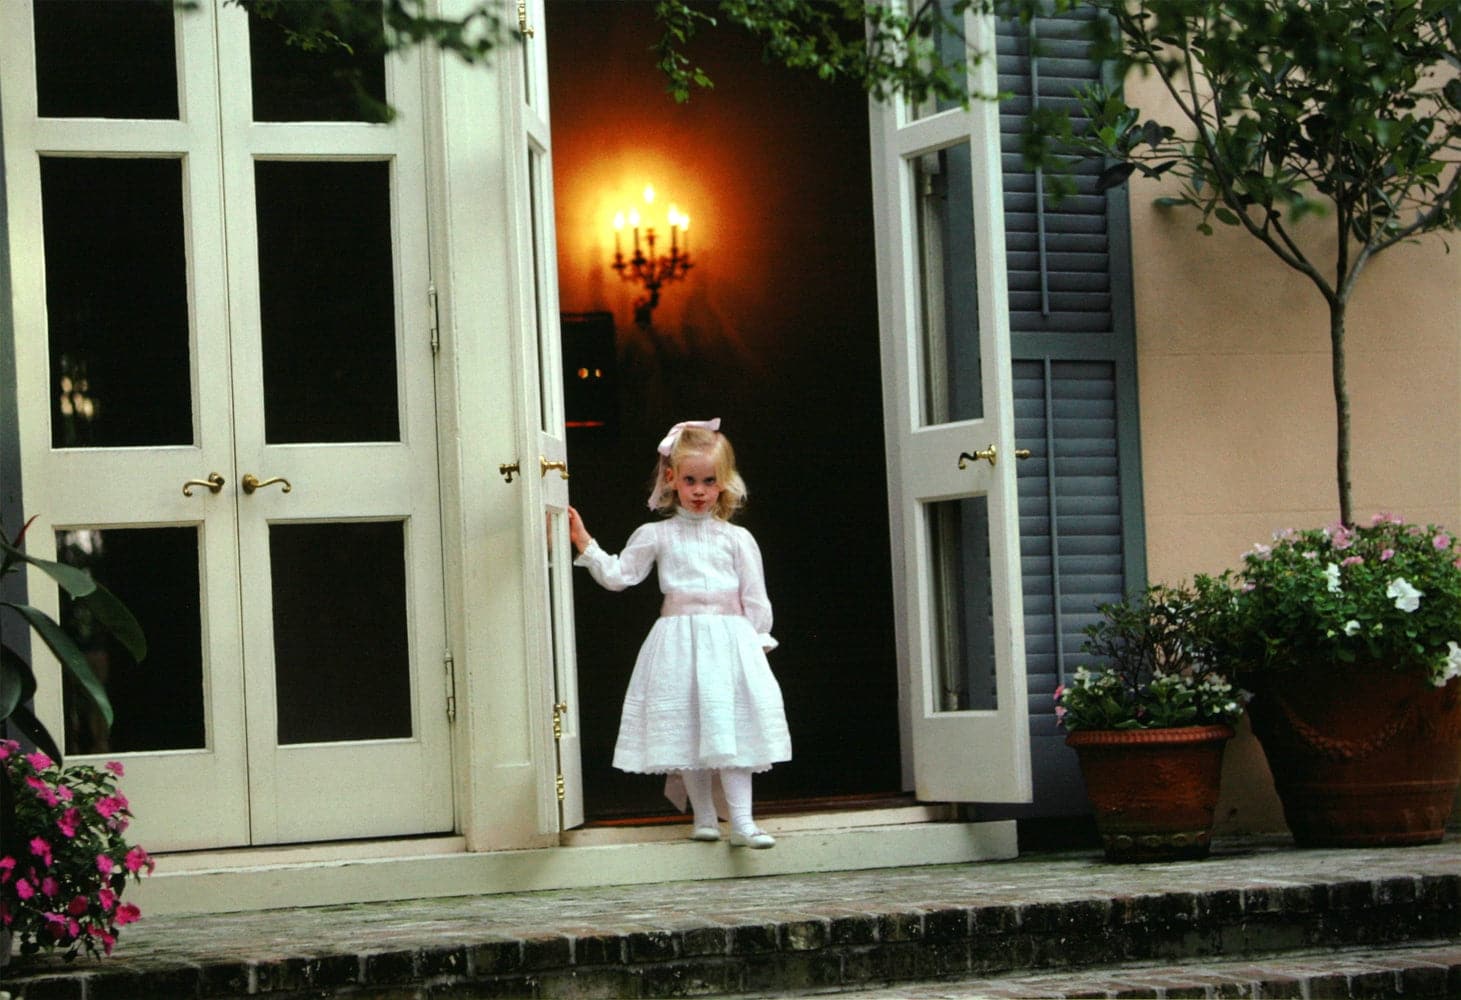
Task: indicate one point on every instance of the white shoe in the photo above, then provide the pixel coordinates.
(755, 838)
(705, 833)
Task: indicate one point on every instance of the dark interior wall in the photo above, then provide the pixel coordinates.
(774, 331)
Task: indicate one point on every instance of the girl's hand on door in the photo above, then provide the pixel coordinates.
(577, 532)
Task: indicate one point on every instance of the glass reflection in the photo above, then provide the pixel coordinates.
(116, 302)
(104, 59)
(341, 655)
(947, 38)
(317, 62)
(963, 639)
(327, 303)
(948, 286)
(158, 704)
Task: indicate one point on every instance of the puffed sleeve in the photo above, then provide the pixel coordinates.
(627, 568)
(754, 601)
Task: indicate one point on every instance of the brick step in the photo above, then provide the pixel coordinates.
(1036, 917)
(1415, 972)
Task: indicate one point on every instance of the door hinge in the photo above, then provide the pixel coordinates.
(432, 318)
(450, 664)
(562, 794)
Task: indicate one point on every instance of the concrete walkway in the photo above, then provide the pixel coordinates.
(989, 924)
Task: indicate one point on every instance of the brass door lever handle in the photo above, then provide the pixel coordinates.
(989, 455)
(251, 482)
(214, 483)
(544, 465)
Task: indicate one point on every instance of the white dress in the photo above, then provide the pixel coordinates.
(702, 694)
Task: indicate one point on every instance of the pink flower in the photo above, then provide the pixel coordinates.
(50, 887)
(7, 868)
(8, 747)
(126, 914)
(43, 791)
(78, 905)
(1342, 540)
(38, 760)
(1442, 542)
(1352, 560)
(115, 766)
(1387, 555)
(41, 849)
(64, 794)
(110, 805)
(24, 889)
(69, 821)
(106, 898)
(105, 864)
(137, 858)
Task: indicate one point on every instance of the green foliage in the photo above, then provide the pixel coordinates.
(1156, 668)
(1385, 595)
(17, 680)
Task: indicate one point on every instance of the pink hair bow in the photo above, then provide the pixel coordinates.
(668, 444)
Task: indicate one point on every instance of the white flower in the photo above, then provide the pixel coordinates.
(1351, 627)
(1407, 598)
(1452, 667)
(1331, 576)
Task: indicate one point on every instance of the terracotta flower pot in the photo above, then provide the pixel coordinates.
(1153, 790)
(1361, 757)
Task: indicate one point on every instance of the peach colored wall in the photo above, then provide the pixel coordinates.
(1237, 412)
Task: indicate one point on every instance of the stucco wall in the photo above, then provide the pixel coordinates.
(1237, 411)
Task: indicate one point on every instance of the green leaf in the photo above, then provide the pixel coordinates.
(17, 683)
(24, 720)
(1225, 216)
(113, 614)
(76, 582)
(70, 655)
(1114, 175)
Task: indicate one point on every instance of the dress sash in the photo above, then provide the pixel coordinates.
(701, 602)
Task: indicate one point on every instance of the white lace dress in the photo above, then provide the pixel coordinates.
(702, 694)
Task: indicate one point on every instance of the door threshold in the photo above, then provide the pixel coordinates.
(777, 823)
(324, 852)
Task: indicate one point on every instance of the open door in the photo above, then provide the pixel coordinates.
(950, 436)
(561, 796)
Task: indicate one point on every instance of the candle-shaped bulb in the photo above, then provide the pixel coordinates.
(634, 217)
(618, 220)
(649, 194)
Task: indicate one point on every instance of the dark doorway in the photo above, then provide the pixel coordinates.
(774, 330)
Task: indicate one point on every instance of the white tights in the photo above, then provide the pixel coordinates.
(736, 782)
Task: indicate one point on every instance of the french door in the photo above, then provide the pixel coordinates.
(950, 436)
(224, 363)
(547, 474)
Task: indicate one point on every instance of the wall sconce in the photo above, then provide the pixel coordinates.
(645, 267)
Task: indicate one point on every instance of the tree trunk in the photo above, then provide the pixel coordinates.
(1341, 406)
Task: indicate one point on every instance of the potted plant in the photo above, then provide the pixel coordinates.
(1149, 725)
(1350, 638)
(62, 887)
(63, 859)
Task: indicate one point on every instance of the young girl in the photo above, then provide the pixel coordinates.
(702, 701)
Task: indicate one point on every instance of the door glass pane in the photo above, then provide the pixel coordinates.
(157, 704)
(341, 657)
(104, 59)
(335, 71)
(547, 377)
(962, 645)
(117, 302)
(327, 304)
(950, 45)
(948, 286)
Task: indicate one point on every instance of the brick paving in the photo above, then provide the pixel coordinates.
(988, 924)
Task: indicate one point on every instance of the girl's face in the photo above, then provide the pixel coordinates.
(695, 483)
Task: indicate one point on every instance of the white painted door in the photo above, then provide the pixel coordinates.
(561, 798)
(231, 288)
(950, 431)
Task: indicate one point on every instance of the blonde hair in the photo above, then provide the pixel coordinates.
(714, 446)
